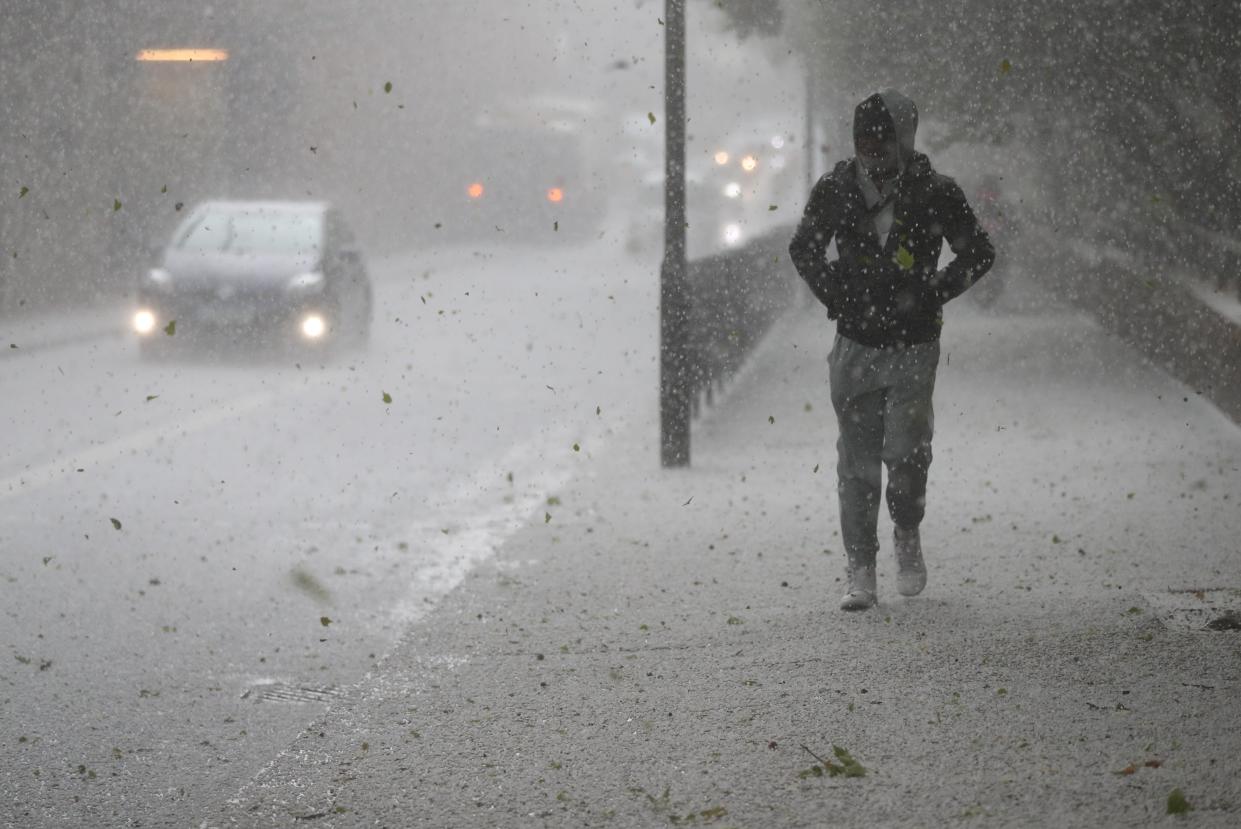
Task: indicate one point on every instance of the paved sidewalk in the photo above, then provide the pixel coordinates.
(660, 651)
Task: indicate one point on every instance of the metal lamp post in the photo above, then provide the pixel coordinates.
(674, 300)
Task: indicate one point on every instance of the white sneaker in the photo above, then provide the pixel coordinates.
(911, 569)
(861, 593)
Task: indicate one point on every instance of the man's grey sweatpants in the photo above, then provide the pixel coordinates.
(882, 399)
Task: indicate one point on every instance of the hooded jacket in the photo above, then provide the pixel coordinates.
(889, 294)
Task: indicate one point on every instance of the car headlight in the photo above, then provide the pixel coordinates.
(313, 326)
(312, 281)
(144, 321)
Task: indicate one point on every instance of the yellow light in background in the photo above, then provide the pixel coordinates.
(182, 55)
(144, 321)
(555, 194)
(749, 163)
(313, 326)
(721, 158)
(475, 190)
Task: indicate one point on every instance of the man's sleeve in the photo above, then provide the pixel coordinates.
(970, 245)
(808, 249)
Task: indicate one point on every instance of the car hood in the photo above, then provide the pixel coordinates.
(257, 271)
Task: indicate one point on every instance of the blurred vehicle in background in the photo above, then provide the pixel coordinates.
(521, 172)
(259, 274)
(750, 177)
(736, 189)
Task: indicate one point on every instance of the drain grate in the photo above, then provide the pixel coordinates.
(1201, 610)
(284, 692)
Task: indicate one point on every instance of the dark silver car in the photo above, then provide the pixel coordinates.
(257, 274)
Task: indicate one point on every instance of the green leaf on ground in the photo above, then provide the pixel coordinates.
(651, 117)
(151, 397)
(849, 767)
(1005, 67)
(387, 397)
(1177, 804)
(171, 328)
(387, 87)
(325, 621)
(23, 192)
(116, 205)
(116, 525)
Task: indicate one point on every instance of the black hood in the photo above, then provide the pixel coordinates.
(888, 114)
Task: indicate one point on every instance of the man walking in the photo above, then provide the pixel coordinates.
(889, 213)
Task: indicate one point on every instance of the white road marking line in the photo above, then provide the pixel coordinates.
(453, 556)
(476, 527)
(34, 478)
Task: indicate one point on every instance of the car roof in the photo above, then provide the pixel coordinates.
(308, 207)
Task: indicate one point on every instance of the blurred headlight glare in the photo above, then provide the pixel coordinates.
(144, 321)
(313, 326)
(306, 281)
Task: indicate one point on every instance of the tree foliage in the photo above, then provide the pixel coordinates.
(751, 18)
(1130, 105)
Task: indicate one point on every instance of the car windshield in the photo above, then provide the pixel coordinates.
(280, 233)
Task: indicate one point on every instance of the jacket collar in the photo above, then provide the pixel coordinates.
(917, 171)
